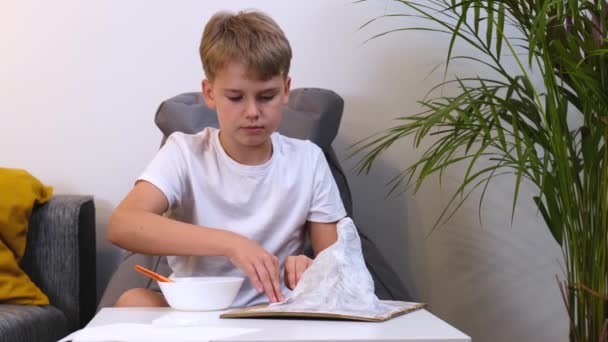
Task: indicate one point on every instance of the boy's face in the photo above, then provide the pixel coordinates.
(248, 110)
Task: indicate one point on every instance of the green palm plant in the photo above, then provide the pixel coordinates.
(553, 134)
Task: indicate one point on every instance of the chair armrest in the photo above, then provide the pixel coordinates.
(60, 255)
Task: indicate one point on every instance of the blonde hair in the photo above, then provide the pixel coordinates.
(248, 37)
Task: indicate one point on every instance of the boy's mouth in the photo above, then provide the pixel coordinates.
(253, 129)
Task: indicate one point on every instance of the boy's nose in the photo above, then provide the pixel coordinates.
(252, 111)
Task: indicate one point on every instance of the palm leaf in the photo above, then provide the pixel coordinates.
(520, 128)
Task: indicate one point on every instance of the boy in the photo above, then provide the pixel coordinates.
(242, 195)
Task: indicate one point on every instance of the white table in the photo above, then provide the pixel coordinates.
(420, 326)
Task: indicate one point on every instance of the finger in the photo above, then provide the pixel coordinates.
(290, 272)
(298, 270)
(273, 270)
(253, 277)
(264, 276)
(277, 266)
(301, 267)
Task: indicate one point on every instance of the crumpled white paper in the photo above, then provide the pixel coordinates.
(338, 282)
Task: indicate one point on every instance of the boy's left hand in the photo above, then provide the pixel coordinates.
(295, 266)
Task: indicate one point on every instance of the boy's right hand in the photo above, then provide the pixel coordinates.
(261, 267)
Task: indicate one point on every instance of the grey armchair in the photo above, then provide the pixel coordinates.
(60, 259)
(312, 114)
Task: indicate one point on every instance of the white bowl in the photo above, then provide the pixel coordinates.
(201, 293)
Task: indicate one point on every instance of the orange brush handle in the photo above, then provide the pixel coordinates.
(152, 274)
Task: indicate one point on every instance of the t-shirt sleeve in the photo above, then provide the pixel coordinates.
(326, 203)
(168, 170)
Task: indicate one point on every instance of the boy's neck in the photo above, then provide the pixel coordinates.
(247, 155)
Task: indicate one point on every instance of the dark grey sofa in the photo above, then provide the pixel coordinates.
(60, 259)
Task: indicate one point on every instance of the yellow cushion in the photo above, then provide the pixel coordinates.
(19, 192)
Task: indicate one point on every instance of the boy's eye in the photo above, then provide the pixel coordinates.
(267, 98)
(264, 98)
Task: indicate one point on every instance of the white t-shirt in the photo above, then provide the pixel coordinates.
(269, 203)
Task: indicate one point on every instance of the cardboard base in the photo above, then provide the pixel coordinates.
(257, 311)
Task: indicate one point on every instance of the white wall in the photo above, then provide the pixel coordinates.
(81, 80)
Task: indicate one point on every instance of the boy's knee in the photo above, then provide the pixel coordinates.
(140, 297)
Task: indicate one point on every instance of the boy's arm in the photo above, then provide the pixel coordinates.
(322, 235)
(137, 224)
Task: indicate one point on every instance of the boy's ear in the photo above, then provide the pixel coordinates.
(287, 90)
(208, 94)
